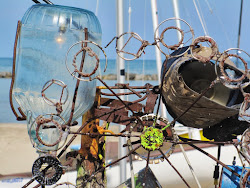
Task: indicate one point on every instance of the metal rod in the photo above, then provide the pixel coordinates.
(146, 169)
(48, 2)
(13, 75)
(174, 168)
(35, 1)
(239, 31)
(190, 167)
(177, 15)
(110, 164)
(131, 164)
(123, 86)
(196, 100)
(120, 79)
(212, 157)
(97, 134)
(78, 81)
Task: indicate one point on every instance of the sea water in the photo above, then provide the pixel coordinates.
(137, 67)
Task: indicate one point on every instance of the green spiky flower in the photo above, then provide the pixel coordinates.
(152, 138)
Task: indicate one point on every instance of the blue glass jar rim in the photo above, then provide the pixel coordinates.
(63, 7)
(89, 13)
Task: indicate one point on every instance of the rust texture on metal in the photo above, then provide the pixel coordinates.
(78, 81)
(190, 104)
(41, 121)
(23, 117)
(89, 145)
(59, 103)
(213, 47)
(226, 77)
(91, 53)
(175, 46)
(92, 150)
(179, 97)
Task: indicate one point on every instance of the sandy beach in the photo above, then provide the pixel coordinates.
(16, 152)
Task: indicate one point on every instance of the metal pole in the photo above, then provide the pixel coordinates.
(121, 79)
(48, 2)
(193, 133)
(239, 31)
(157, 51)
(177, 15)
(97, 8)
(190, 167)
(35, 1)
(178, 24)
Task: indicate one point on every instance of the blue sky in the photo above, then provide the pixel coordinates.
(221, 18)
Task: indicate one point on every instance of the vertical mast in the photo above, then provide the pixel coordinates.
(239, 31)
(177, 15)
(121, 79)
(195, 134)
(157, 51)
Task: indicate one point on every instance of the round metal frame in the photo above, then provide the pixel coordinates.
(213, 47)
(179, 44)
(91, 54)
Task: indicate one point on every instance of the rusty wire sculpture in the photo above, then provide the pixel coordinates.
(142, 44)
(91, 54)
(62, 99)
(213, 47)
(232, 74)
(167, 25)
(150, 136)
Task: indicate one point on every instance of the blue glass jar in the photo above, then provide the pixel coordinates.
(47, 32)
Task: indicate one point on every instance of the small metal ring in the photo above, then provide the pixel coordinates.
(221, 64)
(47, 85)
(90, 53)
(213, 47)
(82, 49)
(231, 83)
(175, 46)
(41, 121)
(157, 39)
(139, 52)
(41, 148)
(41, 177)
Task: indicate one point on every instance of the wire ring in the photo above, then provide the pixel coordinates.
(157, 39)
(225, 79)
(139, 52)
(221, 64)
(40, 120)
(49, 84)
(35, 141)
(175, 46)
(91, 54)
(213, 47)
(51, 162)
(244, 105)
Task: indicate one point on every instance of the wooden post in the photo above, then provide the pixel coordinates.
(92, 151)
